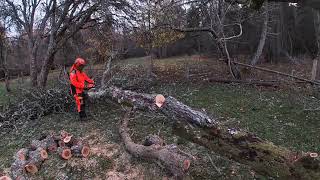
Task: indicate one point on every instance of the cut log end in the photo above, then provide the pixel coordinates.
(186, 164)
(67, 139)
(160, 99)
(314, 155)
(5, 178)
(65, 153)
(22, 154)
(43, 154)
(85, 151)
(31, 168)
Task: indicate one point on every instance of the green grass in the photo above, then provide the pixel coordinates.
(276, 115)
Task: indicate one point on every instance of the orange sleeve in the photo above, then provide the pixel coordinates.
(74, 81)
(86, 78)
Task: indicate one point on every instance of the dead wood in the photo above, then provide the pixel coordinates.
(169, 155)
(17, 169)
(172, 108)
(80, 150)
(22, 154)
(244, 147)
(153, 140)
(276, 72)
(5, 178)
(249, 82)
(36, 159)
(64, 152)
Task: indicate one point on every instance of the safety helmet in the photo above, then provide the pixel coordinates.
(79, 61)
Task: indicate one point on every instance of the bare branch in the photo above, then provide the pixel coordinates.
(238, 35)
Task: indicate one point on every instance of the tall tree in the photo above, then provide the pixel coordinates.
(263, 37)
(25, 14)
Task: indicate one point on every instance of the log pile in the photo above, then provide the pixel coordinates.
(261, 155)
(155, 149)
(29, 160)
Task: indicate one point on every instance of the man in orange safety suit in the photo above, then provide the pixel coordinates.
(80, 82)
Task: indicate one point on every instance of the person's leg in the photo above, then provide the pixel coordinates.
(82, 112)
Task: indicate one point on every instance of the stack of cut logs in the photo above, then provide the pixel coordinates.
(29, 160)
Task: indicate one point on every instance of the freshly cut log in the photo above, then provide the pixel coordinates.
(172, 108)
(5, 178)
(33, 166)
(22, 154)
(67, 139)
(35, 144)
(244, 147)
(64, 152)
(17, 169)
(80, 151)
(51, 145)
(177, 164)
(39, 154)
(160, 99)
(36, 158)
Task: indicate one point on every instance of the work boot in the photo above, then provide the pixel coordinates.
(82, 116)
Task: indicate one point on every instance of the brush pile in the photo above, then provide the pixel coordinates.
(35, 104)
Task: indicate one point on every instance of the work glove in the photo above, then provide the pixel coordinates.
(90, 86)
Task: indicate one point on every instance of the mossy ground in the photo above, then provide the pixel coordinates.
(275, 114)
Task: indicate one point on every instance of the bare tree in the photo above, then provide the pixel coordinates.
(67, 18)
(24, 14)
(315, 74)
(3, 56)
(263, 37)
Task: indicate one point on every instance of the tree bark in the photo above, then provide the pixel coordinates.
(263, 37)
(33, 64)
(315, 74)
(263, 156)
(48, 62)
(107, 73)
(169, 155)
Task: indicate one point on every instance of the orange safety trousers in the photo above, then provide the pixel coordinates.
(77, 81)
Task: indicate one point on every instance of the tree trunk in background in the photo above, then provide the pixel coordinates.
(263, 37)
(107, 73)
(43, 76)
(315, 74)
(3, 63)
(33, 63)
(51, 51)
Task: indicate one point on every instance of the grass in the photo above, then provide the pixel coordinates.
(270, 114)
(277, 115)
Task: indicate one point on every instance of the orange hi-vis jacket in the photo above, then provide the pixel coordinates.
(78, 79)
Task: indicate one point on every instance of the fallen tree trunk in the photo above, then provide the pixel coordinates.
(178, 164)
(263, 157)
(250, 82)
(173, 108)
(276, 72)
